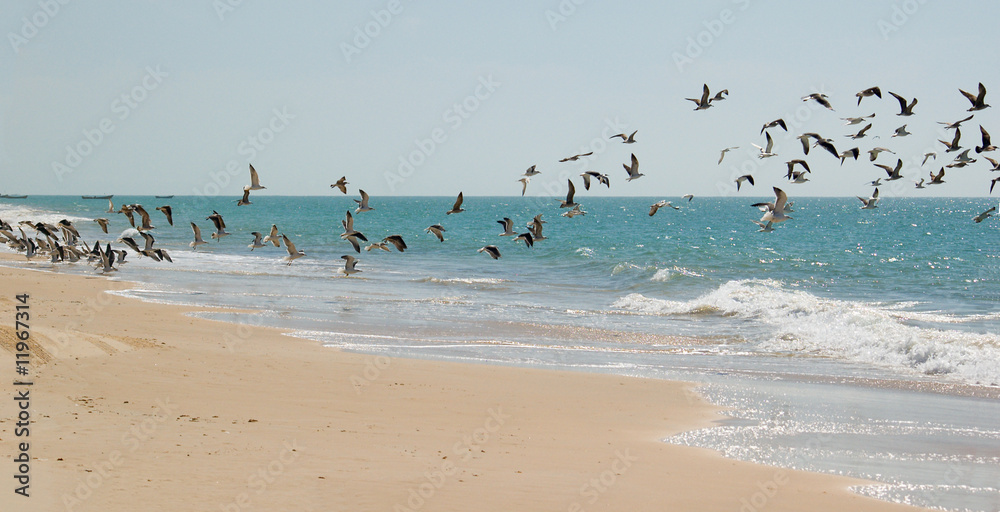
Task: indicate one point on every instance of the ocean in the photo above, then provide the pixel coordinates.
(847, 341)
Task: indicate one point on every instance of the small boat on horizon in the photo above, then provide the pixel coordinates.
(11, 196)
(163, 197)
(98, 197)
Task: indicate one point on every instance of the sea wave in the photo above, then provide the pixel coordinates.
(873, 333)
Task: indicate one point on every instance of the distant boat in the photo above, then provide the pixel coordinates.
(163, 197)
(98, 197)
(10, 196)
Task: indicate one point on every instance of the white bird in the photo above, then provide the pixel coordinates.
(956, 124)
(901, 132)
(633, 170)
(273, 236)
(377, 245)
(689, 197)
(765, 152)
(254, 180)
(874, 152)
(798, 177)
(531, 171)
(772, 124)
(741, 179)
(928, 155)
(349, 263)
(197, 237)
(492, 250)
(220, 225)
(861, 132)
(856, 120)
(660, 204)
(764, 228)
(871, 203)
(919, 184)
(508, 227)
(983, 216)
(871, 91)
(574, 212)
(535, 227)
(722, 154)
(363, 203)
(293, 253)
(256, 240)
(111, 207)
(524, 184)
(437, 230)
(876, 183)
(577, 156)
(776, 210)
(820, 98)
(994, 163)
(457, 207)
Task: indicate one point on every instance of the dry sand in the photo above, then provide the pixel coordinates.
(136, 406)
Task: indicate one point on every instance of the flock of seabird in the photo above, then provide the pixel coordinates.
(62, 241)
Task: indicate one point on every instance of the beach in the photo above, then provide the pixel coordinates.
(139, 406)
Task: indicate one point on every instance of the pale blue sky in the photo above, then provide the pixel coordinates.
(202, 84)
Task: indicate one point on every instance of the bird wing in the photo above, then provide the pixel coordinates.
(780, 199)
(572, 191)
(289, 245)
(458, 202)
(770, 141)
(254, 180)
(901, 100)
(704, 94)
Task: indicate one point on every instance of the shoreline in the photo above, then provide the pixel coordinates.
(145, 404)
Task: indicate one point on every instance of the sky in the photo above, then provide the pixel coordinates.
(431, 98)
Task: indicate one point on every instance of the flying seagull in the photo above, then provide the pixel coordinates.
(772, 124)
(791, 164)
(491, 250)
(574, 212)
(377, 245)
(256, 243)
(437, 230)
(904, 109)
(245, 200)
(928, 155)
(633, 170)
(901, 132)
(871, 203)
(111, 207)
(871, 91)
(874, 152)
(986, 141)
(953, 146)
(741, 179)
(820, 98)
(704, 102)
(197, 237)
(363, 203)
(919, 184)
(396, 241)
(602, 178)
(508, 227)
(273, 236)
(856, 120)
(937, 179)
(254, 180)
(956, 124)
(994, 163)
(349, 263)
(977, 101)
(568, 202)
(722, 154)
(689, 197)
(220, 225)
(103, 223)
(861, 133)
(660, 204)
(457, 207)
(982, 216)
(893, 172)
(719, 96)
(293, 253)
(145, 225)
(341, 184)
(577, 157)
(776, 210)
(630, 139)
(527, 239)
(764, 228)
(531, 171)
(765, 152)
(524, 184)
(993, 183)
(168, 212)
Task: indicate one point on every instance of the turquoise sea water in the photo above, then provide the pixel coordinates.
(862, 342)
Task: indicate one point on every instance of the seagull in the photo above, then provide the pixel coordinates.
(798, 177)
(293, 253)
(764, 228)
(246, 197)
(919, 184)
(986, 141)
(772, 124)
(660, 204)
(111, 207)
(996, 164)
(491, 250)
(577, 157)
(107, 259)
(535, 227)
(893, 172)
(901, 132)
(993, 182)
(254, 180)
(508, 227)
(689, 197)
(625, 140)
(982, 216)
(148, 245)
(273, 236)
(937, 179)
(128, 211)
(765, 152)
(524, 185)
(256, 240)
(964, 157)
(437, 230)
(719, 96)
(568, 203)
(574, 212)
(954, 143)
(363, 203)
(526, 237)
(397, 241)
(956, 124)
(704, 102)
(741, 179)
(904, 109)
(633, 170)
(145, 226)
(349, 263)
(791, 164)
(162, 255)
(871, 203)
(871, 91)
(341, 184)
(377, 245)
(820, 98)
(531, 171)
(804, 139)
(220, 225)
(856, 120)
(722, 154)
(168, 212)
(350, 234)
(457, 207)
(861, 133)
(977, 101)
(103, 223)
(876, 182)
(827, 144)
(928, 155)
(874, 152)
(602, 178)
(776, 210)
(197, 237)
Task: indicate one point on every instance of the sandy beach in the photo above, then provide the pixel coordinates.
(136, 406)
